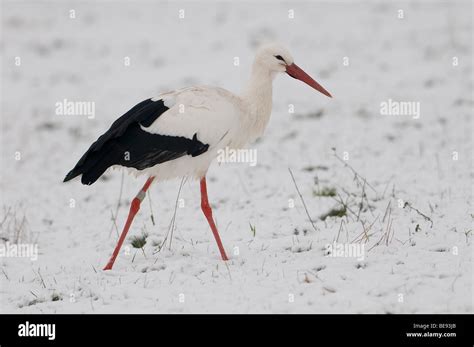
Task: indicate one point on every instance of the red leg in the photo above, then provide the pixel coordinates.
(134, 207)
(206, 208)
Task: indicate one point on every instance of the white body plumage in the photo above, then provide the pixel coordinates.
(218, 117)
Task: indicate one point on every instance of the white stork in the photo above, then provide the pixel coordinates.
(179, 133)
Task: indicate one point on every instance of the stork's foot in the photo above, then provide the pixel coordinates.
(108, 266)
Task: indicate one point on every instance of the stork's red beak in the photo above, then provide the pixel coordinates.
(296, 72)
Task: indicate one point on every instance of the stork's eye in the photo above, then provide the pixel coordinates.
(279, 57)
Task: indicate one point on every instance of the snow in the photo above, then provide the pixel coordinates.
(284, 267)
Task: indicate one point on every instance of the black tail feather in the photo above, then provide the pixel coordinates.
(92, 165)
(71, 174)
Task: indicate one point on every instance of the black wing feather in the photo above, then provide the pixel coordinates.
(126, 144)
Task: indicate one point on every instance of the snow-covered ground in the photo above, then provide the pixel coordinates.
(362, 52)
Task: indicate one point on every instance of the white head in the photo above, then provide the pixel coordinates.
(275, 58)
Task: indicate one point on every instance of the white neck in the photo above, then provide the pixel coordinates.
(257, 99)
